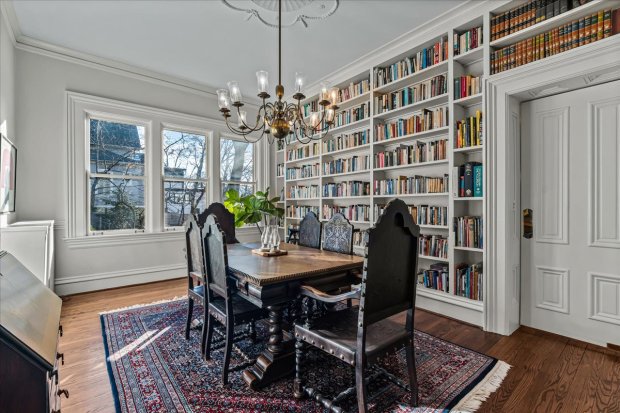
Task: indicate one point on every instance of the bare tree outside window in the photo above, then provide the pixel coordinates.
(185, 175)
(237, 166)
(116, 176)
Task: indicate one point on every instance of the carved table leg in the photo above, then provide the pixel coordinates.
(278, 360)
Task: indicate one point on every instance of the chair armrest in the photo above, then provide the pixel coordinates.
(312, 292)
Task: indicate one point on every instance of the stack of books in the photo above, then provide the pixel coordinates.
(469, 40)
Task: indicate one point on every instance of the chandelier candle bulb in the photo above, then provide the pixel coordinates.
(235, 92)
(324, 98)
(262, 77)
(223, 99)
(299, 81)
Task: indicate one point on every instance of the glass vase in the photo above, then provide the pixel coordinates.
(275, 238)
(265, 239)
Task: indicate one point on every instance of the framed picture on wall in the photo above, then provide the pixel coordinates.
(8, 165)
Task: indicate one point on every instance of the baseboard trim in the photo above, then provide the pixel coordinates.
(102, 281)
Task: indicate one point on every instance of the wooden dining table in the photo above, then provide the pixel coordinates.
(273, 283)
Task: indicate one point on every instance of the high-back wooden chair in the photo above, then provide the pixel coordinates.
(224, 306)
(338, 235)
(310, 231)
(225, 219)
(358, 336)
(195, 269)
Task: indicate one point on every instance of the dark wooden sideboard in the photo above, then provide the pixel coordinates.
(29, 333)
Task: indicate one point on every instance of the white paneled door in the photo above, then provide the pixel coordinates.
(570, 189)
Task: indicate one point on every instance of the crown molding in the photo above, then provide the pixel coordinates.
(29, 44)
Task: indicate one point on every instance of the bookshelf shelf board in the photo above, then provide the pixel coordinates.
(351, 149)
(429, 257)
(309, 158)
(414, 136)
(412, 165)
(346, 197)
(356, 99)
(470, 100)
(471, 56)
(309, 178)
(478, 148)
(424, 226)
(468, 198)
(359, 247)
(280, 151)
(365, 171)
(413, 78)
(450, 298)
(280, 176)
(303, 199)
(350, 125)
(480, 250)
(412, 195)
(413, 107)
(545, 25)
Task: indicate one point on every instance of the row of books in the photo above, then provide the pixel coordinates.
(303, 171)
(280, 143)
(469, 179)
(429, 214)
(379, 208)
(469, 281)
(351, 188)
(436, 278)
(308, 108)
(412, 154)
(347, 141)
(577, 33)
(423, 59)
(467, 85)
(353, 90)
(350, 164)
(303, 191)
(406, 185)
(469, 40)
(280, 169)
(352, 115)
(351, 212)
(360, 238)
(433, 246)
(302, 152)
(426, 120)
(528, 14)
(412, 94)
(469, 131)
(468, 232)
(300, 211)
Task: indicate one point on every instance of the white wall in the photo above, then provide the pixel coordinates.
(41, 84)
(7, 94)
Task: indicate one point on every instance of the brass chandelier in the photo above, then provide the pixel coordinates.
(280, 120)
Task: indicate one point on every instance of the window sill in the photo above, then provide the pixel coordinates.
(116, 240)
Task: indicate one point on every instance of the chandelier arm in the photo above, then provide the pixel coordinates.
(242, 133)
(254, 128)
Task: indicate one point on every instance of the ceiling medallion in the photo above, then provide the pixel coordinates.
(294, 11)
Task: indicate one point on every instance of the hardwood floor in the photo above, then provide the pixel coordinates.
(550, 373)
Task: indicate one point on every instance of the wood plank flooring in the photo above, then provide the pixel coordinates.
(550, 373)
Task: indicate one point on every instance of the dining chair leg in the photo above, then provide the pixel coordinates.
(209, 336)
(230, 333)
(360, 385)
(298, 384)
(205, 327)
(413, 376)
(190, 313)
(252, 331)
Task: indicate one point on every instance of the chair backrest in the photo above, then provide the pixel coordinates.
(390, 268)
(193, 244)
(225, 218)
(338, 235)
(216, 257)
(310, 231)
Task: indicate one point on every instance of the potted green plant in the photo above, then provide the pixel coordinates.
(254, 209)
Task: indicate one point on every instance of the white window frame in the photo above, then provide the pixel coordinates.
(255, 162)
(106, 117)
(205, 180)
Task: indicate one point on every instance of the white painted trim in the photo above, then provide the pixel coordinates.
(562, 292)
(8, 14)
(117, 240)
(594, 299)
(92, 282)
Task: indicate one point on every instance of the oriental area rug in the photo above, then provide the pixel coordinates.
(152, 368)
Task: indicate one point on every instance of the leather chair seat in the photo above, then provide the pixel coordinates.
(336, 334)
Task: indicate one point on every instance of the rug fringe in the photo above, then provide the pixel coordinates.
(131, 307)
(474, 399)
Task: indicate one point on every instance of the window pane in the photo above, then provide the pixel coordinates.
(184, 155)
(243, 189)
(182, 199)
(236, 161)
(116, 204)
(116, 148)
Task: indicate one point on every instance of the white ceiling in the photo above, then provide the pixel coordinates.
(207, 42)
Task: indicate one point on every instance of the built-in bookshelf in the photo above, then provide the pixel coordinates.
(414, 127)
